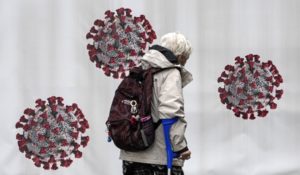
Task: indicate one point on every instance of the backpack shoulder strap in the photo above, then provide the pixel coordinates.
(157, 70)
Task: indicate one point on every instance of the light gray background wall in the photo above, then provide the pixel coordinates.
(42, 53)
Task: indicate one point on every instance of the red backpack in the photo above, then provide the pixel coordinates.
(130, 124)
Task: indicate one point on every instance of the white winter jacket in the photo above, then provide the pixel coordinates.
(167, 102)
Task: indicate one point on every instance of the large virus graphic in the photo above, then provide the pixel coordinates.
(52, 133)
(119, 41)
(250, 86)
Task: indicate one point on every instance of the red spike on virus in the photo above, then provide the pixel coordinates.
(51, 133)
(250, 86)
(119, 40)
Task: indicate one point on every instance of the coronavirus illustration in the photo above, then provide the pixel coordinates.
(250, 86)
(119, 41)
(52, 133)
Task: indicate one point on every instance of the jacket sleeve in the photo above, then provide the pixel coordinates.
(171, 104)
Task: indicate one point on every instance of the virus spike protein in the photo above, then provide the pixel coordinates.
(119, 40)
(250, 86)
(51, 133)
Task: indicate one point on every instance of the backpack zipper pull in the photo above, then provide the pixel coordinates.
(133, 104)
(134, 119)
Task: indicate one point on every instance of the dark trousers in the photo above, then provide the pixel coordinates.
(134, 168)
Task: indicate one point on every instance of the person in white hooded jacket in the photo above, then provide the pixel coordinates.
(167, 102)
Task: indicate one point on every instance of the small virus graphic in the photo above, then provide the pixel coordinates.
(119, 41)
(250, 86)
(51, 133)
